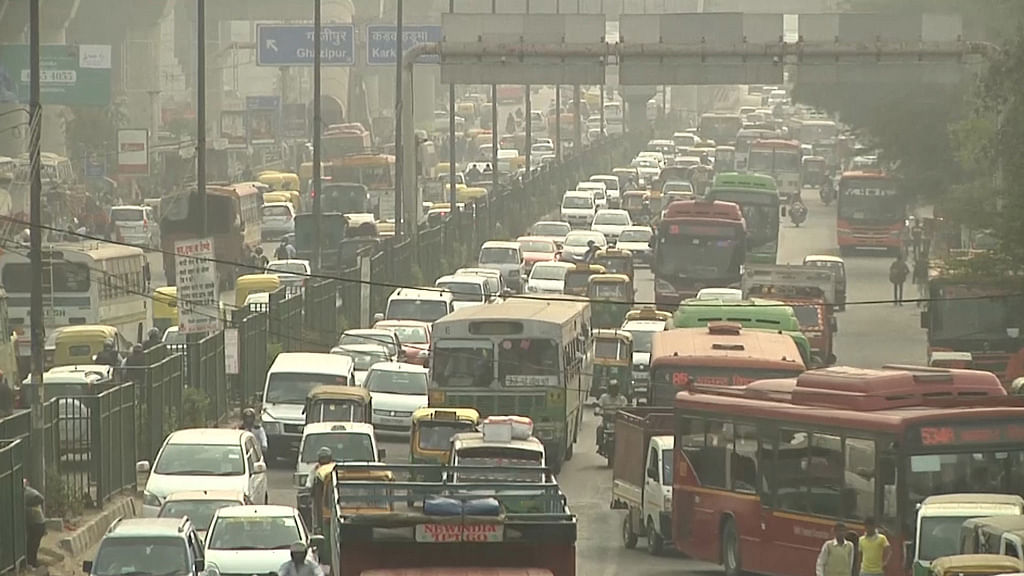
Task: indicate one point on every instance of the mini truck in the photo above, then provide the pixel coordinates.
(810, 291)
(642, 475)
(452, 527)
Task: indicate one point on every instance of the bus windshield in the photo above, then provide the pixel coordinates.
(522, 359)
(771, 160)
(760, 211)
(699, 252)
(67, 277)
(870, 200)
(462, 363)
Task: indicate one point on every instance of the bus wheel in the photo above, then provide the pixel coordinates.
(629, 538)
(654, 542)
(731, 550)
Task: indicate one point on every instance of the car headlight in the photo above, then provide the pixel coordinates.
(150, 499)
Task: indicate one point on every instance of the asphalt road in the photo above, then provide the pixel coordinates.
(869, 335)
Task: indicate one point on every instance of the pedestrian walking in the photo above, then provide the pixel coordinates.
(898, 272)
(921, 281)
(35, 524)
(836, 556)
(874, 550)
(917, 237)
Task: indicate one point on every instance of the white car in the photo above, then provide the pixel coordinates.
(467, 290)
(599, 191)
(277, 221)
(548, 277)
(364, 356)
(611, 223)
(637, 240)
(578, 208)
(496, 288)
(654, 155)
(643, 332)
(542, 148)
(292, 273)
(611, 183)
(553, 230)
(135, 225)
(253, 539)
(723, 294)
(348, 442)
(576, 244)
(204, 459)
(397, 390)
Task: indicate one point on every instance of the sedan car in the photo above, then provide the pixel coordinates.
(554, 230)
(536, 250)
(398, 390)
(548, 278)
(364, 356)
(576, 244)
(199, 506)
(414, 336)
(253, 539)
(611, 223)
(278, 220)
(637, 240)
(373, 336)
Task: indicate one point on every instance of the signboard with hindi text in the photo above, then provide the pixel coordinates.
(198, 298)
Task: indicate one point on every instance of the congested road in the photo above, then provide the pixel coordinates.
(586, 479)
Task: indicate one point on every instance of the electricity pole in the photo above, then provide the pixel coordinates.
(201, 113)
(317, 29)
(36, 251)
(399, 104)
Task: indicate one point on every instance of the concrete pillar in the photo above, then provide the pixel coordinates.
(426, 79)
(635, 98)
(54, 18)
(141, 59)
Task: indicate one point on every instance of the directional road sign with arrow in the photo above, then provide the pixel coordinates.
(292, 45)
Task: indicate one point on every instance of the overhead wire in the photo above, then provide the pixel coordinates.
(320, 276)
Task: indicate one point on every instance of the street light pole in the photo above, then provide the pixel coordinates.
(452, 196)
(36, 250)
(399, 104)
(201, 113)
(317, 29)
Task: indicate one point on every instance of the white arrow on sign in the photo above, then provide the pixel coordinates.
(272, 44)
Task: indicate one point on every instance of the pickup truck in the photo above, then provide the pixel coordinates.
(396, 539)
(642, 475)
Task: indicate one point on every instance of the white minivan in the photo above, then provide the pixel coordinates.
(420, 304)
(578, 208)
(290, 379)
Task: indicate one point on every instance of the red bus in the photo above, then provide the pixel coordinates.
(763, 471)
(870, 212)
(698, 244)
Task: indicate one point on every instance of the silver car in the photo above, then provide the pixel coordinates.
(507, 258)
(135, 225)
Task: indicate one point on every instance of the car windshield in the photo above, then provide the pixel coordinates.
(939, 536)
(612, 218)
(541, 246)
(200, 512)
(437, 435)
(393, 382)
(142, 555)
(642, 339)
(548, 273)
(418, 310)
(363, 359)
(126, 215)
(582, 239)
(293, 387)
(495, 255)
(410, 334)
(550, 229)
(344, 446)
(288, 268)
(464, 291)
(253, 533)
(353, 338)
(276, 211)
(200, 460)
(584, 202)
(635, 236)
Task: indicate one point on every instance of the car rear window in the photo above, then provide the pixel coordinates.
(127, 214)
(277, 211)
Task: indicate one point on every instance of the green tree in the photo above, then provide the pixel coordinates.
(93, 130)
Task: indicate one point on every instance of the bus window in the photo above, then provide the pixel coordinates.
(528, 357)
(860, 478)
(462, 363)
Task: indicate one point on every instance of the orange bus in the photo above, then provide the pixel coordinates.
(722, 354)
(377, 173)
(233, 215)
(763, 471)
(870, 212)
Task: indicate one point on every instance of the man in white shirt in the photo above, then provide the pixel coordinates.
(836, 556)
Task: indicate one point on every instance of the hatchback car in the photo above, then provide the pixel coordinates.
(577, 244)
(278, 220)
(536, 250)
(363, 357)
(254, 539)
(548, 278)
(611, 223)
(347, 441)
(199, 506)
(636, 239)
(466, 291)
(398, 390)
(554, 230)
(293, 273)
(204, 459)
(505, 257)
(135, 225)
(374, 336)
(149, 546)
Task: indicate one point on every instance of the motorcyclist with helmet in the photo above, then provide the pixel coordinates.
(249, 424)
(797, 212)
(608, 405)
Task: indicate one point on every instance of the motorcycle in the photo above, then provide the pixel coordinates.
(797, 214)
(606, 445)
(827, 192)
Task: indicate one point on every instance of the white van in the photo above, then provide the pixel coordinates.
(598, 189)
(466, 290)
(611, 183)
(290, 379)
(420, 304)
(578, 208)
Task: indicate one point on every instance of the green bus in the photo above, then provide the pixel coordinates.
(758, 198)
(754, 313)
(524, 357)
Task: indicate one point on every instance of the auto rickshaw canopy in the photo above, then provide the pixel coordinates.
(576, 279)
(615, 287)
(332, 403)
(613, 347)
(648, 312)
(615, 261)
(975, 565)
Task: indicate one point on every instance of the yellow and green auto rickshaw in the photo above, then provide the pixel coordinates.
(577, 279)
(613, 361)
(330, 403)
(616, 261)
(650, 313)
(611, 296)
(252, 284)
(430, 441)
(165, 307)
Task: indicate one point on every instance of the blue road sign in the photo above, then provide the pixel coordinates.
(292, 45)
(262, 102)
(381, 42)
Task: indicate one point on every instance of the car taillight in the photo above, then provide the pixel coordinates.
(145, 224)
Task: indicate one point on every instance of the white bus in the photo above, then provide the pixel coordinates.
(528, 357)
(86, 283)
